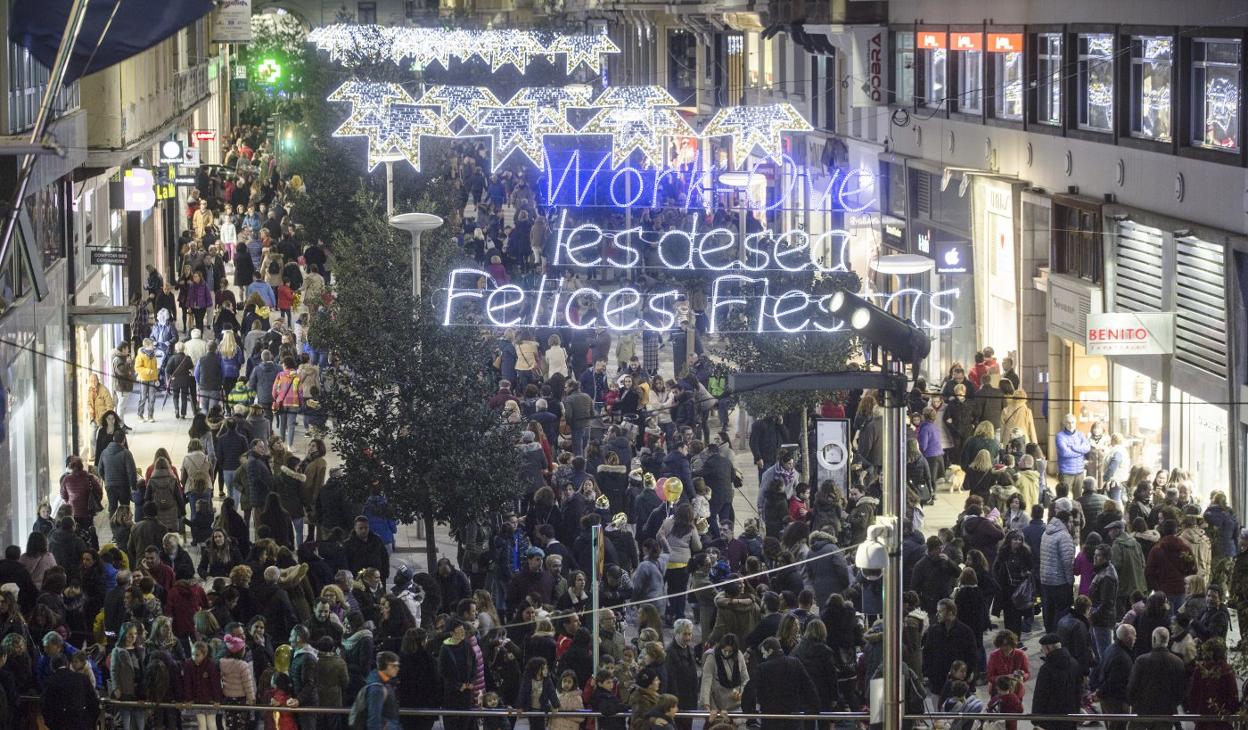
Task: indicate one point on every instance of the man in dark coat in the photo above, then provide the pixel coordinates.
(1113, 674)
(1158, 682)
(12, 571)
(682, 663)
(716, 471)
(453, 584)
(782, 687)
(989, 400)
(364, 549)
(947, 640)
(766, 437)
(933, 577)
(69, 700)
(67, 547)
(1075, 631)
(1059, 685)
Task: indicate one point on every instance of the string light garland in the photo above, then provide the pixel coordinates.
(464, 102)
(636, 118)
(638, 129)
(755, 126)
(351, 44)
(390, 119)
(522, 129)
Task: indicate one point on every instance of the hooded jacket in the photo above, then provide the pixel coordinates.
(1223, 521)
(145, 368)
(827, 572)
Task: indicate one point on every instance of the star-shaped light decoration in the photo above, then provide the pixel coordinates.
(464, 102)
(521, 128)
(634, 97)
(586, 49)
(755, 126)
(554, 98)
(516, 47)
(638, 128)
(389, 118)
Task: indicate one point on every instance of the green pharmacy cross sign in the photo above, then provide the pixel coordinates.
(269, 71)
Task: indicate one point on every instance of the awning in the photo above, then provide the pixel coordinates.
(744, 22)
(100, 315)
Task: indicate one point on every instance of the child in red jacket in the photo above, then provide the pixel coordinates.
(285, 300)
(799, 507)
(281, 695)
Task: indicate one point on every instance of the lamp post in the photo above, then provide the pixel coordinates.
(415, 224)
(388, 161)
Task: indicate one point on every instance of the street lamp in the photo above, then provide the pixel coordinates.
(415, 224)
(388, 161)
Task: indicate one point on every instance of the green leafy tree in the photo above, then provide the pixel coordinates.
(408, 402)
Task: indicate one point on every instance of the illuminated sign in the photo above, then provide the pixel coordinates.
(952, 258)
(1005, 42)
(583, 177)
(745, 292)
(967, 41)
(204, 135)
(269, 71)
(932, 41)
(138, 189)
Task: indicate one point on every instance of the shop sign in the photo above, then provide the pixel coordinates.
(930, 41)
(1130, 333)
(1005, 42)
(952, 258)
(232, 22)
(137, 189)
(871, 65)
(205, 135)
(109, 256)
(967, 41)
(998, 199)
(894, 234)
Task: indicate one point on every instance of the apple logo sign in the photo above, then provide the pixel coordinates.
(952, 258)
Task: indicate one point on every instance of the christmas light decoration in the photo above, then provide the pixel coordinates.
(638, 128)
(389, 118)
(634, 97)
(560, 98)
(755, 126)
(353, 44)
(522, 129)
(464, 102)
(586, 49)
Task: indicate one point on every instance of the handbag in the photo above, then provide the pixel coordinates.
(1024, 594)
(95, 503)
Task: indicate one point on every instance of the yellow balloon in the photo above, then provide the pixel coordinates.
(281, 658)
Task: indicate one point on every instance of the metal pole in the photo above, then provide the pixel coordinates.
(73, 27)
(595, 536)
(389, 189)
(416, 264)
(893, 481)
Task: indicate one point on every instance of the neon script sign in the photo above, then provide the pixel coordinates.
(585, 177)
(745, 287)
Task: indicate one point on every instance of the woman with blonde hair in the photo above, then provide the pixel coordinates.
(487, 614)
(984, 439)
(981, 477)
(1017, 414)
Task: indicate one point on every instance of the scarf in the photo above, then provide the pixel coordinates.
(721, 672)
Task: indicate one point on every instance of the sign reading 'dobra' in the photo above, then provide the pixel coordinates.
(1131, 333)
(747, 283)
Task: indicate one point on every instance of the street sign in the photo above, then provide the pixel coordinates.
(109, 256)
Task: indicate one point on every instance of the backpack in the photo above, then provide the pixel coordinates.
(162, 494)
(357, 719)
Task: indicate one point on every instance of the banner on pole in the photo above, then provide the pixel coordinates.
(231, 23)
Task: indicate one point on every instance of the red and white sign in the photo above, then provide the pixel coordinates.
(932, 41)
(967, 41)
(1005, 42)
(1131, 333)
(204, 135)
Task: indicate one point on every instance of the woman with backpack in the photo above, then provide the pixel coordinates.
(196, 474)
(164, 491)
(124, 677)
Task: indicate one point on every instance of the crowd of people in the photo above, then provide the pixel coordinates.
(274, 590)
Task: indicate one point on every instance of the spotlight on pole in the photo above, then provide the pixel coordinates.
(899, 338)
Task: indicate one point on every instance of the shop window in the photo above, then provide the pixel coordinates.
(970, 63)
(934, 82)
(1139, 415)
(1049, 78)
(682, 66)
(893, 188)
(1096, 82)
(1077, 247)
(1007, 74)
(903, 65)
(1215, 93)
(1152, 67)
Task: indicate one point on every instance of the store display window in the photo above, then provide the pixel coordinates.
(1049, 78)
(1096, 82)
(935, 67)
(1007, 73)
(1138, 415)
(1152, 79)
(970, 61)
(1216, 68)
(903, 62)
(1203, 447)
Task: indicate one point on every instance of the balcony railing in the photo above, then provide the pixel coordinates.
(27, 80)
